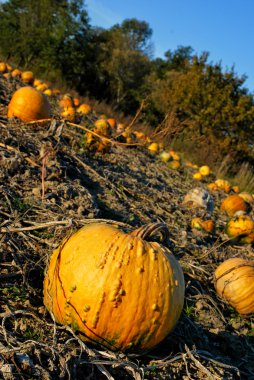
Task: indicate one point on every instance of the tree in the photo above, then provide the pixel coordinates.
(40, 33)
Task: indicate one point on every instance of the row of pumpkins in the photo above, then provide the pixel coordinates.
(30, 103)
(130, 292)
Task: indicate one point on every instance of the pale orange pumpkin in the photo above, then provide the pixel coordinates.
(234, 281)
(66, 101)
(234, 203)
(116, 288)
(28, 104)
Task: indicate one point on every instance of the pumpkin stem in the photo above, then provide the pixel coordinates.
(148, 231)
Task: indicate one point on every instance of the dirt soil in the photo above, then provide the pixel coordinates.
(50, 186)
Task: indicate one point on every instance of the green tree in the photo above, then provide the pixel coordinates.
(212, 105)
(41, 33)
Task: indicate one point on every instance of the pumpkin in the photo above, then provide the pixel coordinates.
(28, 104)
(66, 101)
(198, 176)
(236, 189)
(199, 197)
(16, 73)
(37, 82)
(69, 113)
(112, 123)
(234, 281)
(241, 229)
(212, 186)
(165, 156)
(84, 109)
(122, 290)
(234, 203)
(247, 197)
(76, 102)
(174, 164)
(48, 92)
(223, 185)
(204, 170)
(42, 87)
(175, 156)
(27, 77)
(205, 225)
(153, 148)
(3, 67)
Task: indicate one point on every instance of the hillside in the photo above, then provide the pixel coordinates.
(132, 187)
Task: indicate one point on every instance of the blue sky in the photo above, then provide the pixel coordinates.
(224, 28)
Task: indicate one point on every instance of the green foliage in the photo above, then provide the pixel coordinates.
(41, 34)
(208, 103)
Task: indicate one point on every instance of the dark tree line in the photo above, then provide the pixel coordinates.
(56, 40)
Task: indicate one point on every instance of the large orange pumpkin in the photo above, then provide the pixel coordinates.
(234, 281)
(115, 288)
(28, 104)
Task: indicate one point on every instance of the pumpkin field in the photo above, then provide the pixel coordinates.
(152, 275)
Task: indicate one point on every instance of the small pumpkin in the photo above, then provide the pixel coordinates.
(223, 185)
(112, 123)
(212, 186)
(175, 156)
(42, 87)
(122, 290)
(234, 281)
(165, 156)
(197, 176)
(3, 67)
(69, 113)
(16, 73)
(247, 197)
(66, 101)
(234, 203)
(84, 109)
(76, 102)
(204, 170)
(204, 225)
(28, 104)
(241, 229)
(27, 77)
(153, 147)
(174, 164)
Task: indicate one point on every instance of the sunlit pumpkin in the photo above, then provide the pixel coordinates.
(175, 156)
(212, 186)
(16, 73)
(116, 288)
(69, 113)
(3, 67)
(223, 185)
(175, 164)
(198, 176)
(27, 77)
(153, 147)
(204, 170)
(247, 197)
(84, 109)
(28, 104)
(205, 225)
(112, 123)
(165, 156)
(48, 92)
(66, 101)
(241, 229)
(42, 87)
(234, 281)
(234, 203)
